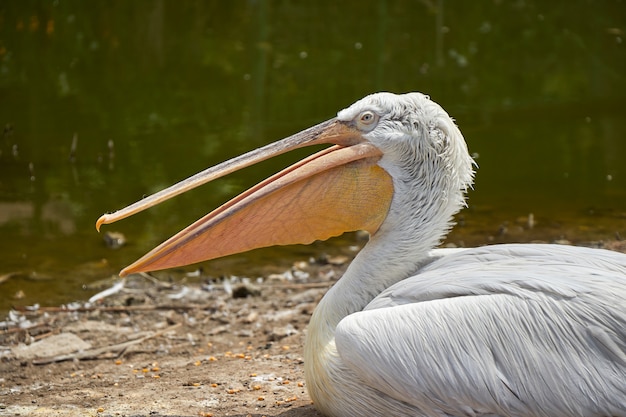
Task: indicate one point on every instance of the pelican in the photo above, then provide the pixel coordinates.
(502, 330)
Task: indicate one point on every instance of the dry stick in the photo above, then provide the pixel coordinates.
(96, 352)
(23, 329)
(112, 309)
(5, 277)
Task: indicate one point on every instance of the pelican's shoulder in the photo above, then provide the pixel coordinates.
(517, 269)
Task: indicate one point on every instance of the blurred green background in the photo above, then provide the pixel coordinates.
(102, 102)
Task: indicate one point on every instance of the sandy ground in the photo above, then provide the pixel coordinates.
(160, 347)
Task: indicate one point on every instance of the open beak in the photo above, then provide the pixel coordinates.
(336, 190)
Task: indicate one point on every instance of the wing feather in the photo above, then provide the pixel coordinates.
(497, 336)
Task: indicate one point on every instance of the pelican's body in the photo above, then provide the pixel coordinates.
(507, 330)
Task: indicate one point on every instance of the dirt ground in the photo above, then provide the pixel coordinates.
(162, 347)
(150, 347)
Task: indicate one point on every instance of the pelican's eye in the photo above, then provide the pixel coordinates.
(367, 120)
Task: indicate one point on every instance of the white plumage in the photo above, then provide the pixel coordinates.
(505, 330)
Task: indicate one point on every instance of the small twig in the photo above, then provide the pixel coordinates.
(156, 281)
(117, 287)
(296, 286)
(44, 335)
(96, 353)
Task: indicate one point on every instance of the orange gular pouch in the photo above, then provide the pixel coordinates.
(336, 190)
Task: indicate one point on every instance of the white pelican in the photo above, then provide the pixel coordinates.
(504, 330)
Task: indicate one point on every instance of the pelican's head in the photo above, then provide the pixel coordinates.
(425, 154)
(413, 133)
(389, 151)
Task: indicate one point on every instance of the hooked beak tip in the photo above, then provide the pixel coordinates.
(100, 222)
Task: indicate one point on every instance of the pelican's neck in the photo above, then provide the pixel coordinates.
(419, 217)
(370, 272)
(391, 255)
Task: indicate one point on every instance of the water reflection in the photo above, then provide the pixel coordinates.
(103, 102)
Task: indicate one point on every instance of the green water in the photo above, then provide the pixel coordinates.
(102, 102)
